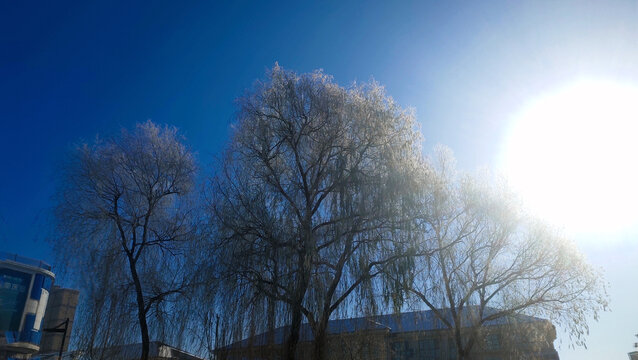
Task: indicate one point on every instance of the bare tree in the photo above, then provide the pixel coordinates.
(124, 202)
(491, 262)
(311, 197)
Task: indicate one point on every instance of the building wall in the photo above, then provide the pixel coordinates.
(528, 341)
(24, 293)
(372, 345)
(525, 341)
(62, 305)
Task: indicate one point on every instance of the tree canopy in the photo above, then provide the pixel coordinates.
(312, 193)
(490, 260)
(321, 206)
(124, 225)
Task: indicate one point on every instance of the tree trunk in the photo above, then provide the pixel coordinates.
(141, 310)
(272, 305)
(293, 337)
(460, 351)
(295, 326)
(465, 352)
(296, 307)
(320, 340)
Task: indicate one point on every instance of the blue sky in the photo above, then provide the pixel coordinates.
(72, 70)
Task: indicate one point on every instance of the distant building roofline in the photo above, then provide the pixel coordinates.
(420, 320)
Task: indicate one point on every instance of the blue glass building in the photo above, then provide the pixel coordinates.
(24, 292)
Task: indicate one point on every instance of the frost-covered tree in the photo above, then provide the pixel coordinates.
(311, 199)
(489, 261)
(125, 224)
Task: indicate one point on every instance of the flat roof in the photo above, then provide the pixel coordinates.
(424, 320)
(22, 263)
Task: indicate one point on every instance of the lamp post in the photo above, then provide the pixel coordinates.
(57, 329)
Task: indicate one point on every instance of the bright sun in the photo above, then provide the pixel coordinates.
(573, 156)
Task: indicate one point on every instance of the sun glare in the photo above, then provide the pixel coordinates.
(573, 156)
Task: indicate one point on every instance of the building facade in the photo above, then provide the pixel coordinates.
(407, 336)
(62, 305)
(24, 293)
